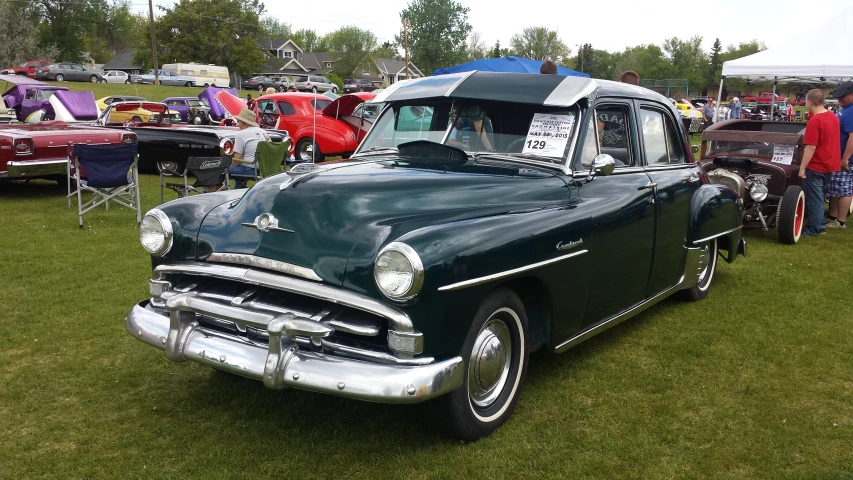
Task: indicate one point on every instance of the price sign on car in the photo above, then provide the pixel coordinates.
(548, 134)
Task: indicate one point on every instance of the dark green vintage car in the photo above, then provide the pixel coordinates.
(484, 216)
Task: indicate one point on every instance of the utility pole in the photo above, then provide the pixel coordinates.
(406, 44)
(153, 42)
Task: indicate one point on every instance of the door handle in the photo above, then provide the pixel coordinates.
(648, 185)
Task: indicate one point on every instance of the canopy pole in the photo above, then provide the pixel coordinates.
(773, 98)
(719, 99)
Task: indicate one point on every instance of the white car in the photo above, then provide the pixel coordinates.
(116, 76)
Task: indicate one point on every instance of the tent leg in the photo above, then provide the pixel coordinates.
(719, 99)
(773, 98)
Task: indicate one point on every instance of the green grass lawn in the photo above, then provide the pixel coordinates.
(754, 382)
(154, 93)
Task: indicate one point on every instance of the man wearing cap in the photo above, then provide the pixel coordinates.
(245, 145)
(840, 187)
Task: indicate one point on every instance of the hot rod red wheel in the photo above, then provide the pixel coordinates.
(792, 212)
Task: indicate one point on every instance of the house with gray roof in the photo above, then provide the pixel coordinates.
(123, 62)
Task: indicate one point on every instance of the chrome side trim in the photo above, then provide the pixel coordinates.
(283, 364)
(266, 263)
(495, 276)
(399, 320)
(717, 235)
(688, 279)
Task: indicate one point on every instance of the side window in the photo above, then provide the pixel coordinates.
(286, 108)
(267, 106)
(662, 144)
(108, 101)
(613, 137)
(590, 144)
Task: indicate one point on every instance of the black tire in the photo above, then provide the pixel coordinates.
(360, 89)
(261, 87)
(60, 77)
(706, 278)
(281, 88)
(188, 84)
(791, 214)
(127, 82)
(93, 79)
(303, 148)
(334, 89)
(136, 119)
(475, 410)
(313, 89)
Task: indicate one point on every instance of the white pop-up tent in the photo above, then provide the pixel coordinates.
(824, 55)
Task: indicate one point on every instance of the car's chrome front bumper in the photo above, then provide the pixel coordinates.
(282, 364)
(36, 168)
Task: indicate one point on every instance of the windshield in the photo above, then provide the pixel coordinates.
(195, 103)
(502, 127)
(740, 148)
(44, 94)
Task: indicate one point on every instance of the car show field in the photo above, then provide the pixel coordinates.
(752, 379)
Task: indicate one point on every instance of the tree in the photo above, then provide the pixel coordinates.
(496, 52)
(741, 50)
(112, 28)
(349, 47)
(62, 23)
(221, 32)
(19, 35)
(386, 50)
(584, 59)
(274, 28)
(715, 65)
(437, 30)
(308, 40)
(476, 48)
(538, 43)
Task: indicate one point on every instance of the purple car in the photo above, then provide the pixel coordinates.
(29, 99)
(217, 113)
(192, 109)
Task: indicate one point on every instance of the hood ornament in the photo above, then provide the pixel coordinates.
(266, 222)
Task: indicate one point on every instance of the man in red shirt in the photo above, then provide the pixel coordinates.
(821, 158)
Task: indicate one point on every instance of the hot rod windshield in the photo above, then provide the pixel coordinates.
(477, 127)
(740, 148)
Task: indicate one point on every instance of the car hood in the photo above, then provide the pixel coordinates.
(326, 214)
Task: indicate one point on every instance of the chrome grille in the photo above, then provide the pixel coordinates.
(722, 176)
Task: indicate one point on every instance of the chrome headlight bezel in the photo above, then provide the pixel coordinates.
(417, 270)
(165, 227)
(758, 192)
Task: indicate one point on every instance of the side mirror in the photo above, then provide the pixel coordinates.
(694, 148)
(603, 164)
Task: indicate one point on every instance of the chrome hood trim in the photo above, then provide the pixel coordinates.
(265, 263)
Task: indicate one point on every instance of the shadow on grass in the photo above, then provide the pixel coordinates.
(26, 190)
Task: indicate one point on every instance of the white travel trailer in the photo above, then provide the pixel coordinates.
(205, 75)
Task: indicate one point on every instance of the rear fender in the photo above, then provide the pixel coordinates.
(716, 211)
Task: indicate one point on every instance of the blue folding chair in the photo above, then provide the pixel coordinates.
(111, 175)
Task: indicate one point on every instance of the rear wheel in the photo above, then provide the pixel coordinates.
(314, 90)
(495, 355)
(304, 150)
(127, 82)
(334, 89)
(136, 119)
(188, 84)
(281, 88)
(93, 79)
(261, 87)
(707, 266)
(60, 77)
(789, 219)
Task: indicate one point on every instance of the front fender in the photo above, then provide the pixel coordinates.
(187, 214)
(716, 211)
(329, 141)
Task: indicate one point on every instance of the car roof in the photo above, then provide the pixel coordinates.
(546, 90)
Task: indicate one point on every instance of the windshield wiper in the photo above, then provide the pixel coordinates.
(529, 156)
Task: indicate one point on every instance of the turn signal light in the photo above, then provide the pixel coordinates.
(23, 146)
(128, 138)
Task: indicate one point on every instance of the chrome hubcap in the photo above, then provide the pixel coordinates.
(704, 263)
(488, 368)
(306, 151)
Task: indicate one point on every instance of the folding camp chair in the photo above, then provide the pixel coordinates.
(208, 172)
(111, 175)
(269, 158)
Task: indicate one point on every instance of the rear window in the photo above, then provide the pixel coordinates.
(349, 80)
(322, 104)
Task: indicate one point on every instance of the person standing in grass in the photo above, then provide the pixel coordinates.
(820, 160)
(840, 190)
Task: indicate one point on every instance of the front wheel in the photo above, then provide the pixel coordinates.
(334, 89)
(707, 266)
(188, 84)
(281, 88)
(496, 356)
(305, 151)
(789, 219)
(314, 90)
(93, 79)
(127, 82)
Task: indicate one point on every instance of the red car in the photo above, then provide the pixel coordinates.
(40, 150)
(765, 97)
(296, 113)
(27, 68)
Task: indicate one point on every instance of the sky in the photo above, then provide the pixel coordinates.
(611, 26)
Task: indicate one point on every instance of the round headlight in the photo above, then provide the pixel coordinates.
(758, 192)
(398, 272)
(155, 233)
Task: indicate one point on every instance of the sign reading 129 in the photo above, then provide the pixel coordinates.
(536, 144)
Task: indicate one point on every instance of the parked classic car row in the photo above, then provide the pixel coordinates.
(484, 215)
